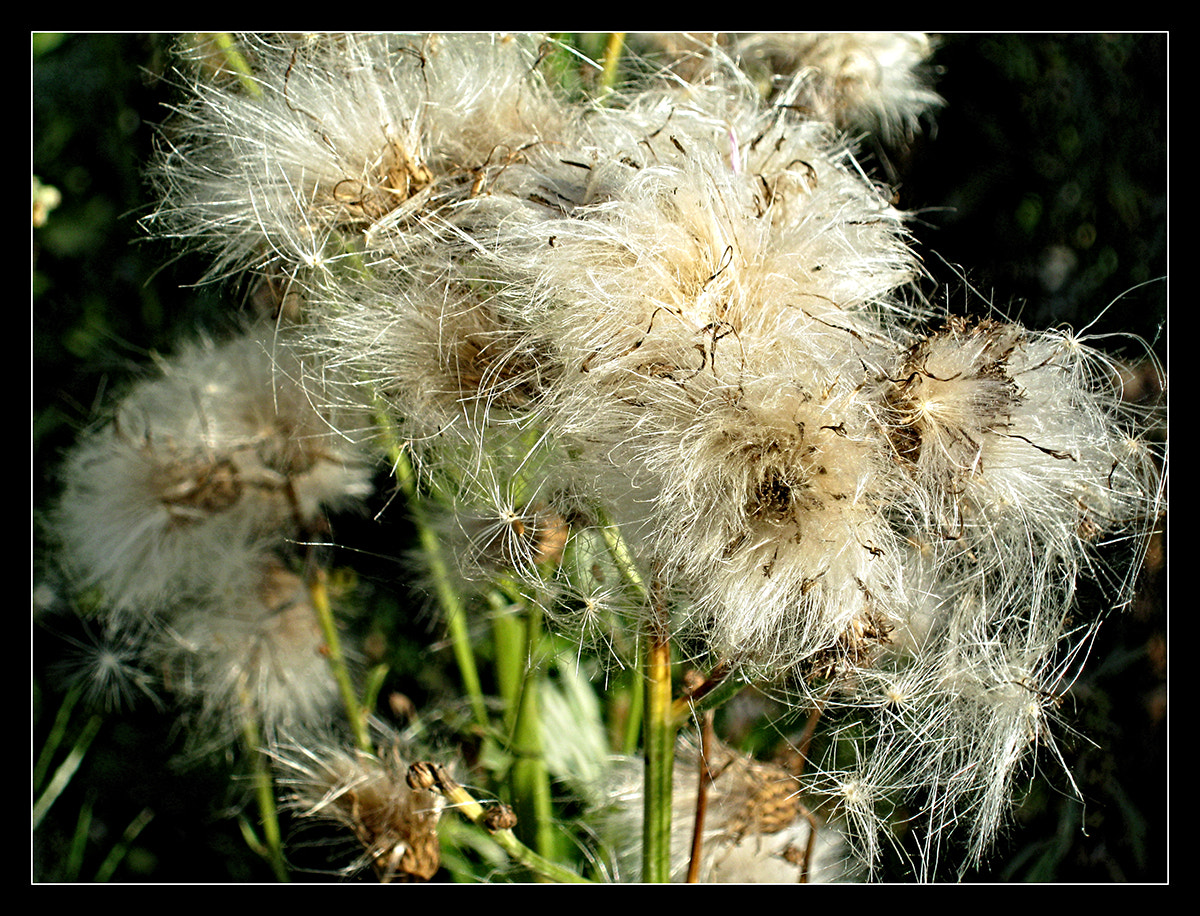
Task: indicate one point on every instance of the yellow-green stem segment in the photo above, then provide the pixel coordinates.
(319, 594)
(660, 730)
(434, 776)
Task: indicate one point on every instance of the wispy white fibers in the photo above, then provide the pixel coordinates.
(857, 82)
(877, 82)
(251, 646)
(211, 458)
(952, 720)
(437, 354)
(180, 513)
(344, 138)
(684, 313)
(1020, 460)
(1024, 464)
(719, 329)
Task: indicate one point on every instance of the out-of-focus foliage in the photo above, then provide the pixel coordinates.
(1046, 175)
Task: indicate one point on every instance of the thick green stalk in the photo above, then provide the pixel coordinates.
(518, 636)
(531, 778)
(660, 730)
(633, 714)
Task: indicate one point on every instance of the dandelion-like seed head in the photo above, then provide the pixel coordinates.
(787, 546)
(253, 649)
(440, 357)
(346, 143)
(228, 447)
(859, 81)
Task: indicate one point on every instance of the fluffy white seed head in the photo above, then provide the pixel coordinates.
(252, 649)
(344, 142)
(877, 82)
(180, 510)
(711, 364)
(438, 356)
(224, 452)
(1020, 457)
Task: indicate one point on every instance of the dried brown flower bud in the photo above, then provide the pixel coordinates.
(499, 817)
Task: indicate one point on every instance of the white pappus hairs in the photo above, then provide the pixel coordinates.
(664, 350)
(182, 510)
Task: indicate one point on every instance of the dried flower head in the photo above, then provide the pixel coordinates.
(369, 795)
(757, 826)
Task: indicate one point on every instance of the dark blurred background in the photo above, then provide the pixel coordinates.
(1042, 184)
(1045, 181)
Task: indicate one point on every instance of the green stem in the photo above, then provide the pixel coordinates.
(79, 841)
(531, 778)
(56, 737)
(453, 612)
(264, 790)
(517, 639)
(319, 593)
(508, 637)
(631, 576)
(612, 57)
(633, 715)
(105, 872)
(638, 595)
(660, 730)
(236, 61)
